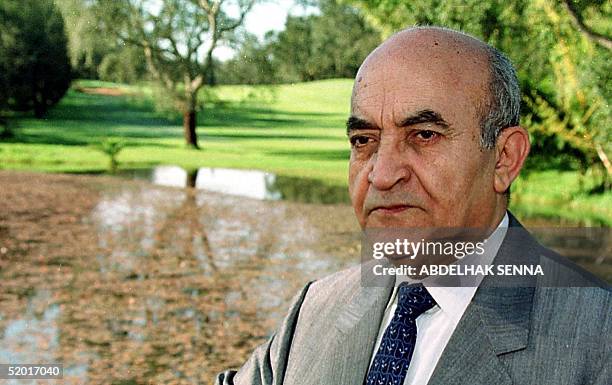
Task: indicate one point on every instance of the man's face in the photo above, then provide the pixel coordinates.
(416, 159)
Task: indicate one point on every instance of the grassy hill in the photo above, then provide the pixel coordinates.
(292, 130)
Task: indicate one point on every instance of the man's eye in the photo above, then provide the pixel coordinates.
(427, 135)
(359, 140)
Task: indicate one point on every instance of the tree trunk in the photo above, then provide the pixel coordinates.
(39, 107)
(6, 131)
(189, 128)
(192, 177)
(211, 80)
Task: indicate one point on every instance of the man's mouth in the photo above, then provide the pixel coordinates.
(390, 210)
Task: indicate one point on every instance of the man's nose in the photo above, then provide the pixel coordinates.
(388, 166)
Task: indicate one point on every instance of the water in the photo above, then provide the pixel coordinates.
(254, 184)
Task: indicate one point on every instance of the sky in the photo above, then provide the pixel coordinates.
(269, 16)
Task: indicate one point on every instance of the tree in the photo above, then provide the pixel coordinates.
(331, 44)
(178, 38)
(5, 70)
(123, 64)
(95, 55)
(252, 63)
(86, 46)
(36, 70)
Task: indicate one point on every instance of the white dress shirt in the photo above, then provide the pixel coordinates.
(435, 326)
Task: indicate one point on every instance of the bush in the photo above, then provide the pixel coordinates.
(35, 65)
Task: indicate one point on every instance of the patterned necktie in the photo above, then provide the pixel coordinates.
(397, 344)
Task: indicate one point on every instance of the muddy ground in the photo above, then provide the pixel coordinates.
(129, 283)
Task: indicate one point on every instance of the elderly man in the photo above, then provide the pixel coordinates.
(436, 142)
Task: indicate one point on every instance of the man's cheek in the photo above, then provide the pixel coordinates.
(358, 187)
(356, 171)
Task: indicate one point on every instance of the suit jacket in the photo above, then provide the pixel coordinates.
(509, 334)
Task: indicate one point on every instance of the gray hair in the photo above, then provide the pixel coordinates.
(504, 106)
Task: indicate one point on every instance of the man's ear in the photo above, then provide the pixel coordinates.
(512, 149)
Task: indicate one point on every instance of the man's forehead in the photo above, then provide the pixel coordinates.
(443, 53)
(403, 75)
(433, 43)
(435, 67)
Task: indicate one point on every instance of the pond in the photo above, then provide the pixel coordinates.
(254, 184)
(131, 282)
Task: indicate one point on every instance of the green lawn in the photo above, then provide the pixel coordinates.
(292, 130)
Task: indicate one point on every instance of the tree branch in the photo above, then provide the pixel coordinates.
(240, 19)
(162, 77)
(197, 82)
(205, 5)
(604, 158)
(598, 38)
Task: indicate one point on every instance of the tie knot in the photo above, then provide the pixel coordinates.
(414, 298)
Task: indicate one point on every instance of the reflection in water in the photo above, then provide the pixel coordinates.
(589, 246)
(246, 183)
(309, 190)
(172, 176)
(33, 333)
(162, 285)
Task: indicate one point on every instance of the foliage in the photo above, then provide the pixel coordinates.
(330, 44)
(87, 47)
(563, 63)
(178, 38)
(111, 147)
(124, 65)
(253, 63)
(94, 54)
(33, 57)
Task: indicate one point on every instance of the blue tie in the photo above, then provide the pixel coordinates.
(397, 344)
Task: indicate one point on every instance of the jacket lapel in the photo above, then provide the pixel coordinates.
(346, 352)
(496, 322)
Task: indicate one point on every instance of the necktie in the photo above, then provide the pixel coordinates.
(397, 344)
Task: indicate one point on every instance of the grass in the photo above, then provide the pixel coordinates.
(292, 130)
(560, 195)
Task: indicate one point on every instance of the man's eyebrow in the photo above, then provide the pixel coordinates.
(354, 123)
(424, 116)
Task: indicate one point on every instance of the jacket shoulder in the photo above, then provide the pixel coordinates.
(338, 287)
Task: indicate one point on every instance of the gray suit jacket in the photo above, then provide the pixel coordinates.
(530, 335)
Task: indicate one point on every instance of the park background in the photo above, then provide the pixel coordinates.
(172, 172)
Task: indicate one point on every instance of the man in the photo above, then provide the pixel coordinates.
(436, 142)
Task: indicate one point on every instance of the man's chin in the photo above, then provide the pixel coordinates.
(409, 218)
